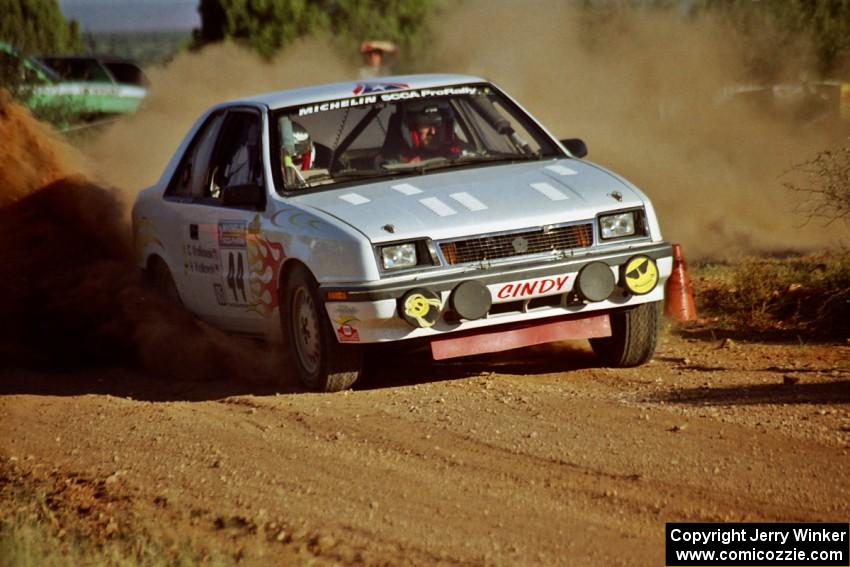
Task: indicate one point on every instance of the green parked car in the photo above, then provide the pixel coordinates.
(68, 101)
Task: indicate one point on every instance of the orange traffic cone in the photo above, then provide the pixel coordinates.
(679, 295)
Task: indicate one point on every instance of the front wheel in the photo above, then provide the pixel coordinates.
(320, 362)
(634, 334)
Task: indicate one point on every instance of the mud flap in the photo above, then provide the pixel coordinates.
(479, 342)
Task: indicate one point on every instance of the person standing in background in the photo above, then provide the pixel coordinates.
(376, 55)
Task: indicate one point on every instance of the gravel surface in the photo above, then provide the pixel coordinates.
(524, 458)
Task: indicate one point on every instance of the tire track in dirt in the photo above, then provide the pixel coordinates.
(523, 468)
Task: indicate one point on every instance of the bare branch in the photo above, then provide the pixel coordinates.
(825, 182)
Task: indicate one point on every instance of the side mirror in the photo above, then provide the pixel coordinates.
(250, 196)
(575, 146)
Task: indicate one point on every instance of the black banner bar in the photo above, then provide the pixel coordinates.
(757, 544)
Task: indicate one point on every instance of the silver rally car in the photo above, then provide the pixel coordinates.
(426, 207)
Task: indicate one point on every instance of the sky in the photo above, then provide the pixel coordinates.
(132, 15)
(149, 15)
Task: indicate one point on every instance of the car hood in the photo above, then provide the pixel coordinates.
(476, 200)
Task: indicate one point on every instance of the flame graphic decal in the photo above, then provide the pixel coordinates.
(264, 259)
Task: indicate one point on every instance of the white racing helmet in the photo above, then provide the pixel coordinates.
(297, 144)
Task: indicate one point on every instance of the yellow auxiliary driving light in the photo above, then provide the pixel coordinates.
(639, 275)
(420, 307)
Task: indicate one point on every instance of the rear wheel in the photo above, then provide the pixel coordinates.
(320, 362)
(634, 334)
(162, 282)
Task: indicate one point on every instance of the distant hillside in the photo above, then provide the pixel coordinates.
(147, 47)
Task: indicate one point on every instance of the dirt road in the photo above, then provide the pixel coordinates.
(528, 458)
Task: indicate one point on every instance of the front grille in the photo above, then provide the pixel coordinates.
(526, 243)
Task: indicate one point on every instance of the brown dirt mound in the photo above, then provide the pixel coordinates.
(33, 155)
(73, 295)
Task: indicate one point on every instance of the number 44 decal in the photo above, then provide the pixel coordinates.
(236, 260)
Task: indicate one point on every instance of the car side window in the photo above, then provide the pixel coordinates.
(126, 72)
(237, 158)
(190, 177)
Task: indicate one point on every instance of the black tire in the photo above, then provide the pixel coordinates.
(319, 361)
(634, 334)
(160, 279)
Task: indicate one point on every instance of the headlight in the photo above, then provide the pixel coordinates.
(399, 256)
(617, 226)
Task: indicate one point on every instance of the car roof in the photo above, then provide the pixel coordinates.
(348, 89)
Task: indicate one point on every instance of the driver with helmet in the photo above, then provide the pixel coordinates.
(428, 132)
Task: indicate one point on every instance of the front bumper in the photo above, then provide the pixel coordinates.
(521, 292)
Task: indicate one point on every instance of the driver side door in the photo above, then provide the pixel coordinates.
(218, 248)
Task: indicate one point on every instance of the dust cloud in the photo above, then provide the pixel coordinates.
(641, 89)
(74, 295)
(132, 153)
(71, 290)
(33, 155)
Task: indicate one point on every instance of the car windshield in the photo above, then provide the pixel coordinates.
(389, 130)
(78, 68)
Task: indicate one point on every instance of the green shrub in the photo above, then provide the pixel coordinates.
(804, 294)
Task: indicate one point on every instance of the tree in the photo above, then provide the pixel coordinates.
(404, 22)
(264, 25)
(37, 26)
(28, 27)
(269, 25)
(825, 23)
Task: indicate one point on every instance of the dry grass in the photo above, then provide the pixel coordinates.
(806, 294)
(48, 519)
(27, 540)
